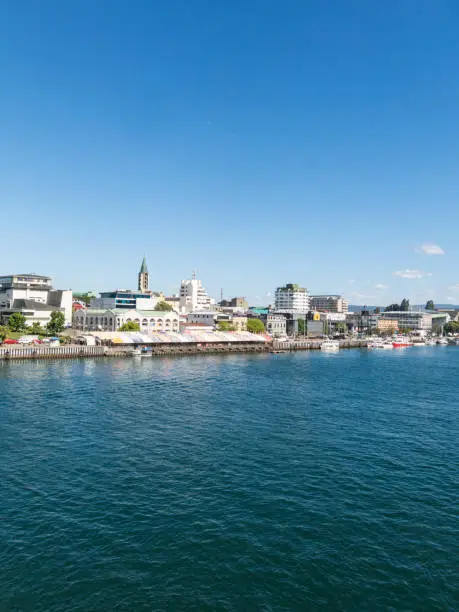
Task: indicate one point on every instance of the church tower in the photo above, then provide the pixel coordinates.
(143, 277)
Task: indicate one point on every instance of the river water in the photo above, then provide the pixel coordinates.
(302, 481)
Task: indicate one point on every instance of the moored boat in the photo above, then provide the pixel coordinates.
(329, 345)
(401, 342)
(380, 344)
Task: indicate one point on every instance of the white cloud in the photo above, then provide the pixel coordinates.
(454, 287)
(352, 282)
(361, 296)
(381, 287)
(268, 294)
(411, 274)
(450, 299)
(432, 249)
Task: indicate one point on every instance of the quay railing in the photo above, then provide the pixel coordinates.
(50, 352)
(310, 345)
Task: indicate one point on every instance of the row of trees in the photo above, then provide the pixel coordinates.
(451, 328)
(17, 323)
(405, 306)
(253, 325)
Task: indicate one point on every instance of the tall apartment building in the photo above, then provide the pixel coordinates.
(291, 299)
(329, 303)
(193, 296)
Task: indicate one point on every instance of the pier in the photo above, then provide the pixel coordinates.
(311, 345)
(15, 352)
(72, 351)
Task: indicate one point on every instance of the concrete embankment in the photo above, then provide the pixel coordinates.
(311, 345)
(14, 352)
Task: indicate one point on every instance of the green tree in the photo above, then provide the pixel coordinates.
(17, 322)
(302, 327)
(130, 326)
(163, 306)
(430, 305)
(35, 329)
(3, 332)
(405, 305)
(255, 326)
(392, 308)
(225, 326)
(341, 327)
(56, 323)
(451, 328)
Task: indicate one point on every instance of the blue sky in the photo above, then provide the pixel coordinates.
(259, 142)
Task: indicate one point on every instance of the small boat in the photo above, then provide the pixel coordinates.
(329, 345)
(401, 342)
(143, 352)
(430, 343)
(442, 341)
(380, 344)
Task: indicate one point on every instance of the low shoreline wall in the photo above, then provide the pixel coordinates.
(15, 352)
(311, 345)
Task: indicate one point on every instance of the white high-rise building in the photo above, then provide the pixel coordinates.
(193, 296)
(291, 299)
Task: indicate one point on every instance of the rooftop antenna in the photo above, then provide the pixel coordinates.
(194, 274)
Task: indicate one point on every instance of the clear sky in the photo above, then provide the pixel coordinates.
(258, 141)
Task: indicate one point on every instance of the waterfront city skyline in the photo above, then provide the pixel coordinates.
(260, 144)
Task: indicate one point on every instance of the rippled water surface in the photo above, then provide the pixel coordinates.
(273, 482)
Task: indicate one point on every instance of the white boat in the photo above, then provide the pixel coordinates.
(401, 342)
(430, 343)
(329, 345)
(380, 344)
(443, 341)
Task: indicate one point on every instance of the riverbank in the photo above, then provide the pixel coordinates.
(73, 351)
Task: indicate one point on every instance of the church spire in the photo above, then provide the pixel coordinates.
(143, 276)
(143, 267)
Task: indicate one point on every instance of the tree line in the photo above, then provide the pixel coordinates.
(18, 323)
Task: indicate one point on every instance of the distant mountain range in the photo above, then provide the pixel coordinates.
(358, 308)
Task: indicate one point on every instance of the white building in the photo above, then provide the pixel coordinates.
(126, 298)
(213, 318)
(193, 296)
(291, 299)
(334, 317)
(329, 303)
(276, 325)
(34, 297)
(96, 319)
(408, 319)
